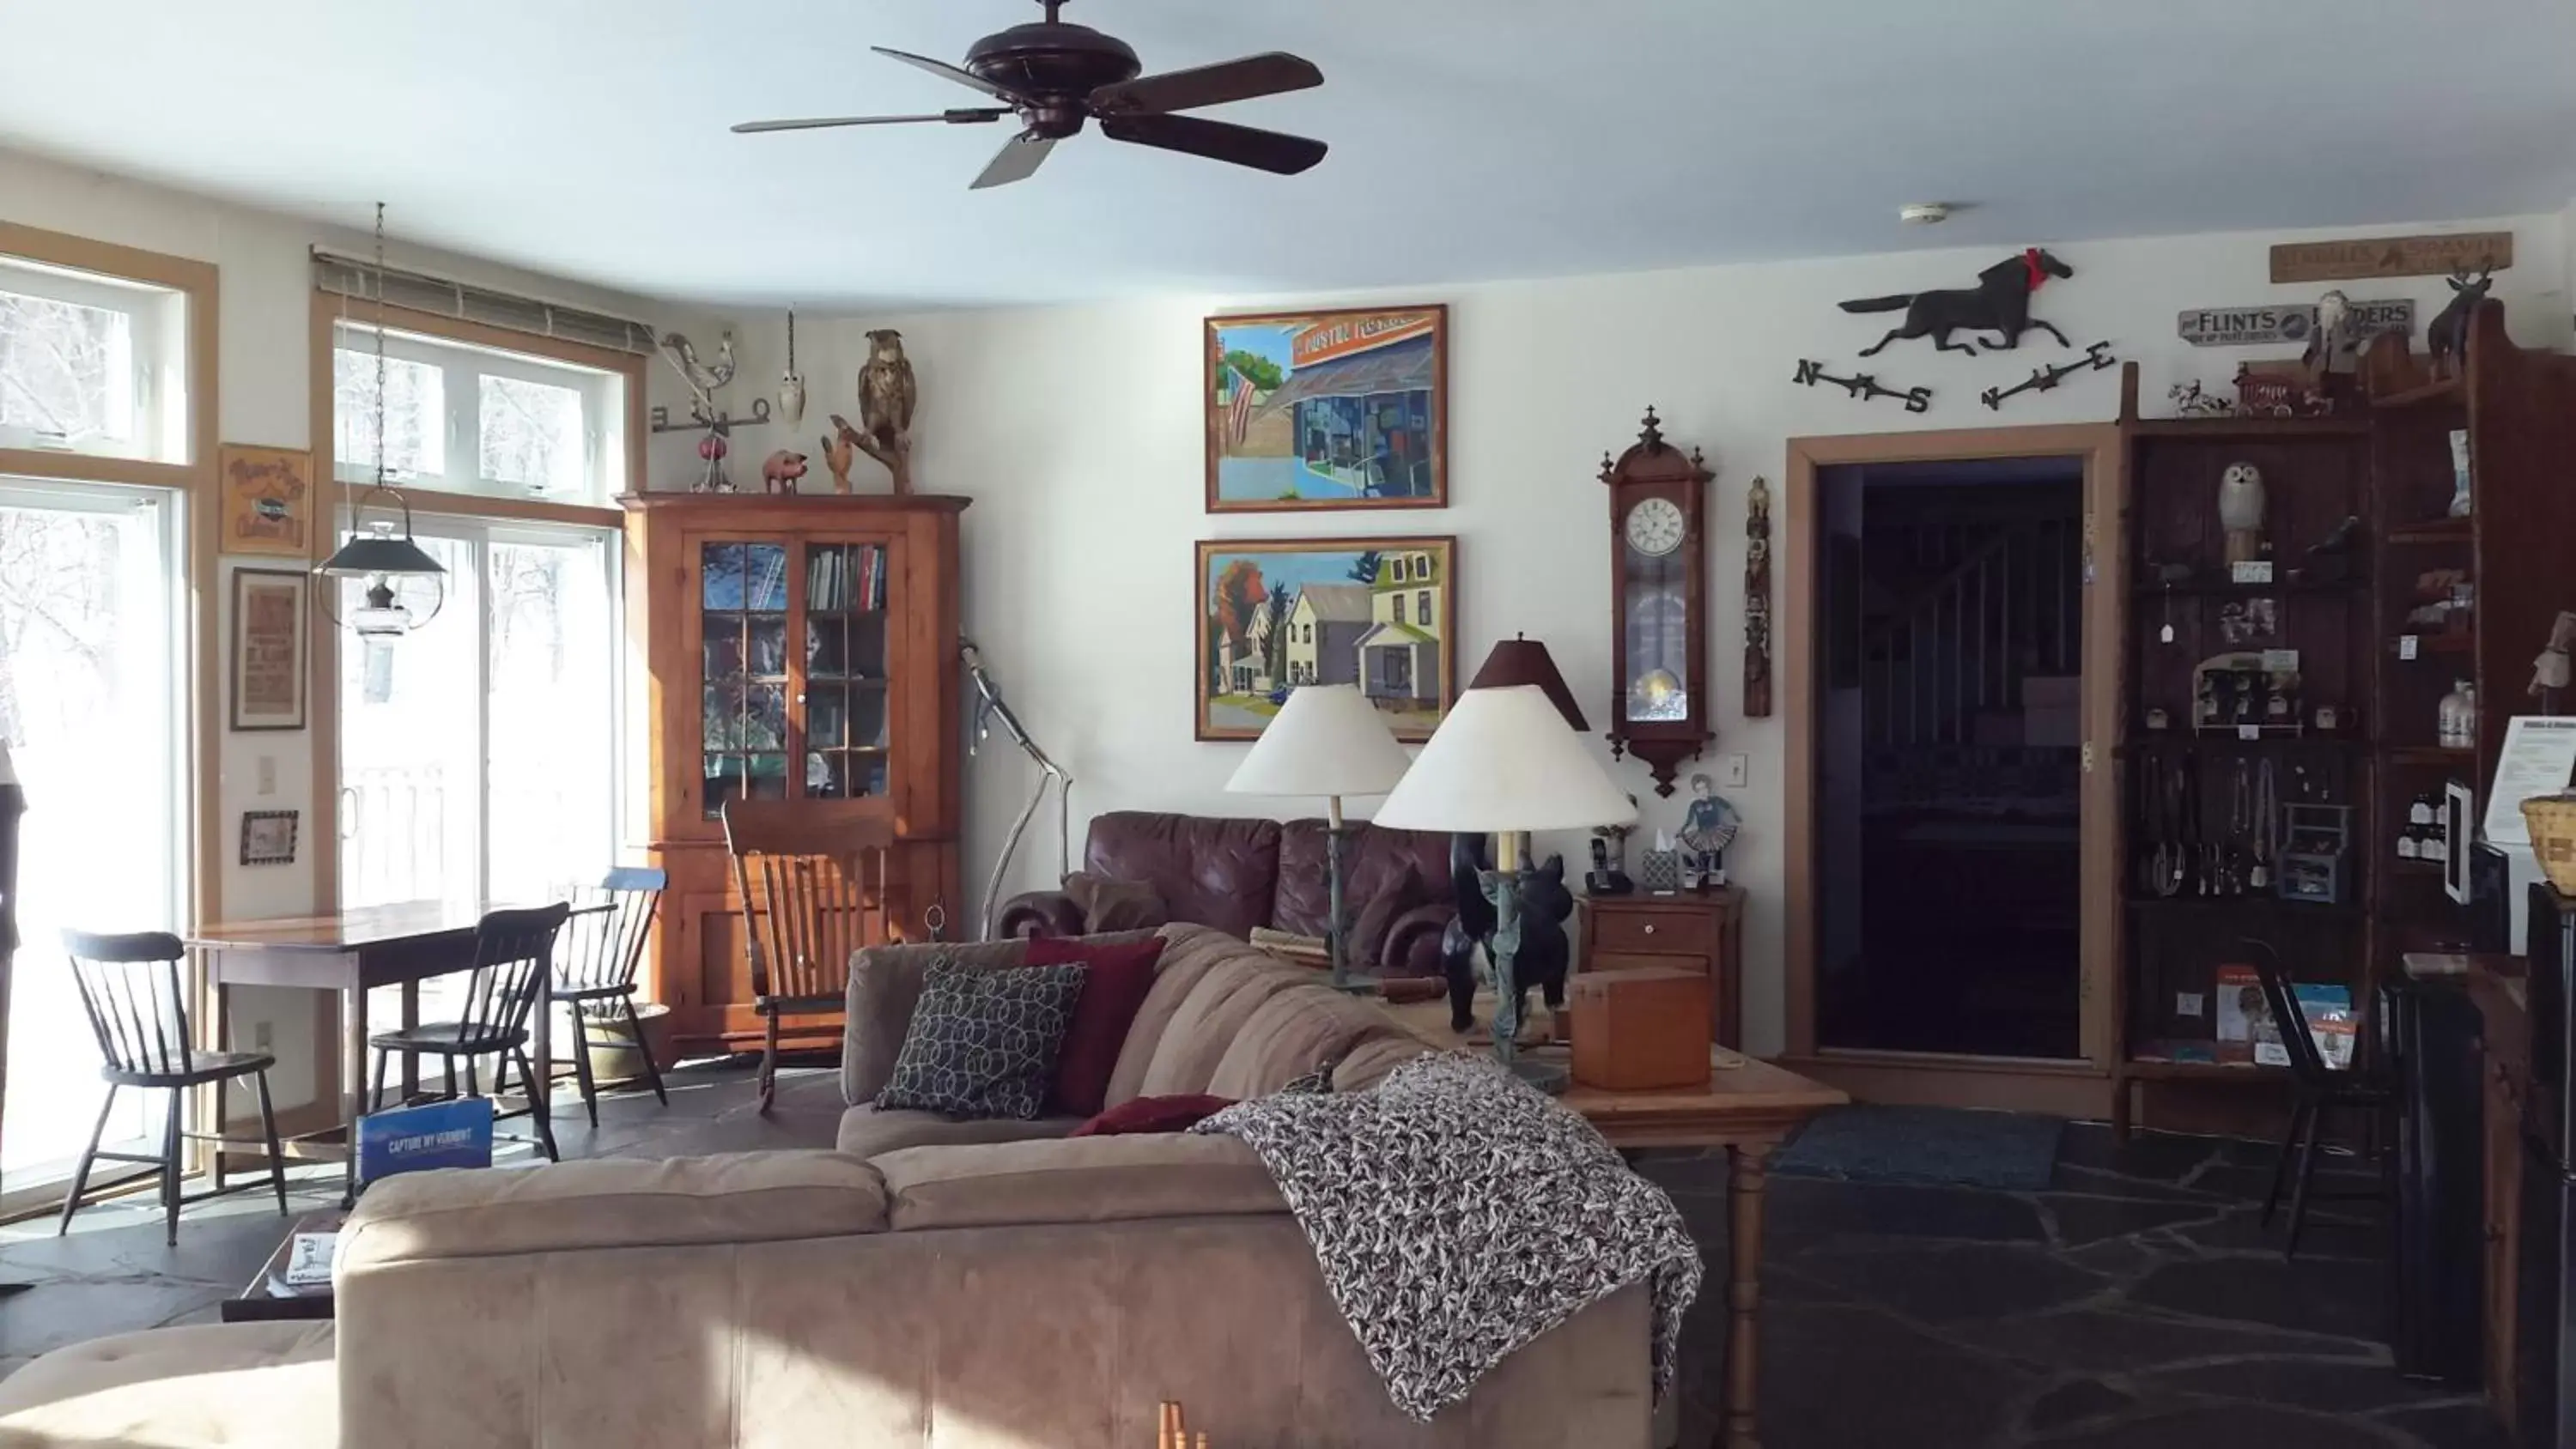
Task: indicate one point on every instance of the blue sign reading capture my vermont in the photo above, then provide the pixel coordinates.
(417, 1139)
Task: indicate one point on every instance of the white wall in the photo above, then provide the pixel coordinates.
(264, 397)
(1077, 433)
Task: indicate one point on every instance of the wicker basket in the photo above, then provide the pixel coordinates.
(2552, 819)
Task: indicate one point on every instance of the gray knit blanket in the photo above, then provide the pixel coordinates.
(1458, 1213)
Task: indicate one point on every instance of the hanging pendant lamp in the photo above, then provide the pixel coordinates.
(373, 551)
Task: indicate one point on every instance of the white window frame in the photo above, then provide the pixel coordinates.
(464, 365)
(479, 535)
(157, 328)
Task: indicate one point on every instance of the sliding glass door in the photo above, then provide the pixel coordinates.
(478, 755)
(90, 698)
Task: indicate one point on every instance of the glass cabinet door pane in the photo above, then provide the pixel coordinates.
(827, 716)
(827, 648)
(868, 647)
(743, 662)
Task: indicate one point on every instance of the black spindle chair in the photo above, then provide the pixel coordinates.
(137, 1003)
(513, 958)
(601, 949)
(2361, 1089)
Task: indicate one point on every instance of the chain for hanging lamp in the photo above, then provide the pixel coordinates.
(372, 550)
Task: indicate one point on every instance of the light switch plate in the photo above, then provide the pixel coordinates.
(1734, 771)
(268, 774)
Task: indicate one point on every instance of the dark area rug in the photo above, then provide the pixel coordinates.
(1938, 1146)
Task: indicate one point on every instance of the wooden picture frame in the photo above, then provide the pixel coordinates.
(267, 496)
(1344, 410)
(266, 662)
(1342, 626)
(268, 837)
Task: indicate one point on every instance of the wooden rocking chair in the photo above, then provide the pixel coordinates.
(807, 906)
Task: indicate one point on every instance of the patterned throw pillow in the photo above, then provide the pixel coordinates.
(983, 1043)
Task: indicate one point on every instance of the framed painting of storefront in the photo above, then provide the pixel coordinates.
(1328, 410)
(1274, 614)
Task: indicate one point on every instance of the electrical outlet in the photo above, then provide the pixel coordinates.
(2190, 1003)
(1734, 771)
(263, 1035)
(268, 774)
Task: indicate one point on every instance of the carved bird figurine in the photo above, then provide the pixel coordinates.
(838, 454)
(887, 392)
(703, 378)
(780, 470)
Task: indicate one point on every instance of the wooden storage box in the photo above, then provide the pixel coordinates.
(1640, 1030)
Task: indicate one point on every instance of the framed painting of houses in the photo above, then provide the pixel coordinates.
(1274, 614)
(1328, 410)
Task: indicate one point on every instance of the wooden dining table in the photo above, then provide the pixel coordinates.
(350, 953)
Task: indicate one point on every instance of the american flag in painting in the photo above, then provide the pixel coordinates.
(1239, 418)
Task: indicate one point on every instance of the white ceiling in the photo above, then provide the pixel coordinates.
(1472, 139)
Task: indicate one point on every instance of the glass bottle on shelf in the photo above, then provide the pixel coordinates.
(2459, 717)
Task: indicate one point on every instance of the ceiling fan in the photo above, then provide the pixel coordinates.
(1054, 76)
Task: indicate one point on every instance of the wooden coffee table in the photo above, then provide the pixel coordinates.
(1748, 1107)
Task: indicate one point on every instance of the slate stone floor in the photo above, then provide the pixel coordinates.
(2134, 1303)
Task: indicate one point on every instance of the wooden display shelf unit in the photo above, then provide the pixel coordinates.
(2518, 409)
(2316, 473)
(799, 647)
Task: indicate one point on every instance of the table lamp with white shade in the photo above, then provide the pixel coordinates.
(1327, 740)
(1505, 761)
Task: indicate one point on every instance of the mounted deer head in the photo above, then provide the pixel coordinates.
(2460, 281)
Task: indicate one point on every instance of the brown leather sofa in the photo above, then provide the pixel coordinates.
(1238, 874)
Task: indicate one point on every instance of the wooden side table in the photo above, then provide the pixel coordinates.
(1694, 931)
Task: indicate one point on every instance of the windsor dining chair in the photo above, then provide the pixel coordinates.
(596, 972)
(135, 996)
(513, 961)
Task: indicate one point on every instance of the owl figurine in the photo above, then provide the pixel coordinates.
(888, 391)
(2240, 511)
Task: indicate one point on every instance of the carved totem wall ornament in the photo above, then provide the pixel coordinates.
(1757, 601)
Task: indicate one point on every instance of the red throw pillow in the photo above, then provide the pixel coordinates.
(1153, 1114)
(1115, 980)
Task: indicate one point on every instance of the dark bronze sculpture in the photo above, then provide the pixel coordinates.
(2000, 302)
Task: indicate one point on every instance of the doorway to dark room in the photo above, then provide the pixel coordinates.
(1949, 757)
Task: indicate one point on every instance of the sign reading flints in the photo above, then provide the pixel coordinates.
(2291, 322)
(417, 1139)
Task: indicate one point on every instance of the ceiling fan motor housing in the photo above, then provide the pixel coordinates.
(1059, 64)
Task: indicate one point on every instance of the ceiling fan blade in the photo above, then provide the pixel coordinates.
(946, 71)
(970, 116)
(1218, 141)
(1210, 85)
(1019, 161)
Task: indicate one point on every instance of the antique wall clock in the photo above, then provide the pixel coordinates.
(1659, 608)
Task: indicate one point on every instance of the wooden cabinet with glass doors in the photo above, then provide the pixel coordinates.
(793, 648)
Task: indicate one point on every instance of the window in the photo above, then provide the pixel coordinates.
(1399, 568)
(468, 419)
(478, 755)
(1399, 608)
(92, 364)
(92, 661)
(1422, 609)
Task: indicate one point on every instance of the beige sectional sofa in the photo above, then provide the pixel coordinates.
(917, 1289)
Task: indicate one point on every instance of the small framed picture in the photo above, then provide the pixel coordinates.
(268, 837)
(268, 641)
(267, 507)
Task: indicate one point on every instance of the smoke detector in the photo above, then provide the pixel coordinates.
(1924, 213)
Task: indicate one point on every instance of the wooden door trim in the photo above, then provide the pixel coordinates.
(2099, 446)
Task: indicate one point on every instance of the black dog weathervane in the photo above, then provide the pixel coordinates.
(2000, 303)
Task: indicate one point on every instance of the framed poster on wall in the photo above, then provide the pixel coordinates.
(267, 656)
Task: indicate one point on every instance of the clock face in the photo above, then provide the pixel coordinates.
(1656, 527)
